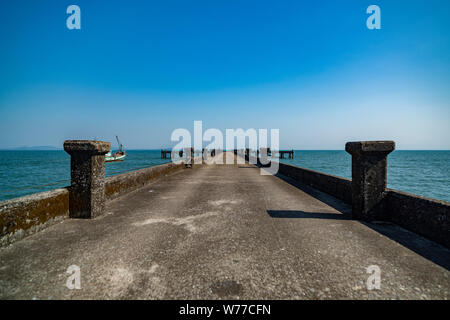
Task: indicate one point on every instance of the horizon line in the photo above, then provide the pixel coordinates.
(155, 149)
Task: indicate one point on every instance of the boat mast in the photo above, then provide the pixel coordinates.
(120, 145)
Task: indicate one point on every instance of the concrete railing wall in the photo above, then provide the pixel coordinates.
(427, 217)
(25, 215)
(338, 187)
(127, 182)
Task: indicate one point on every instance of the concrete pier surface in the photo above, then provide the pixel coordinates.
(224, 232)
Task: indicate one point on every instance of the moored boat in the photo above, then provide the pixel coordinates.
(117, 156)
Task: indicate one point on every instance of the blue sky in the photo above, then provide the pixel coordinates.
(141, 69)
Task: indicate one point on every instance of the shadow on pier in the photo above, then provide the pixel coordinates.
(298, 214)
(340, 206)
(424, 247)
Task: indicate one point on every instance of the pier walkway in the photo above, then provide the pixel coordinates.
(224, 232)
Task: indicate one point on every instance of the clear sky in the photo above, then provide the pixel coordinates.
(141, 69)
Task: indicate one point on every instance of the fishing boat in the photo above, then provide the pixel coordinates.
(117, 156)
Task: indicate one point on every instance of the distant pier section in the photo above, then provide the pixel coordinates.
(288, 153)
(282, 154)
(168, 154)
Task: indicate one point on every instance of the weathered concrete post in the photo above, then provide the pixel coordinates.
(369, 177)
(189, 157)
(87, 171)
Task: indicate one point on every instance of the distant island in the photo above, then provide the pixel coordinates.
(34, 148)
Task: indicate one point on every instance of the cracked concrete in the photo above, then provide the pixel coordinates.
(249, 236)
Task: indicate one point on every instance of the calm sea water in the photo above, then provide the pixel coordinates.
(27, 172)
(425, 173)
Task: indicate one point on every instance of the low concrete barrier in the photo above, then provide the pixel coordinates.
(338, 187)
(127, 182)
(26, 215)
(427, 217)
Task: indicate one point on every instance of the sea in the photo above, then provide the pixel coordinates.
(425, 173)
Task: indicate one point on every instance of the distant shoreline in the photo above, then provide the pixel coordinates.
(35, 148)
(61, 149)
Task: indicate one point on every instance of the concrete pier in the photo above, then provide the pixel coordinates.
(87, 172)
(226, 232)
